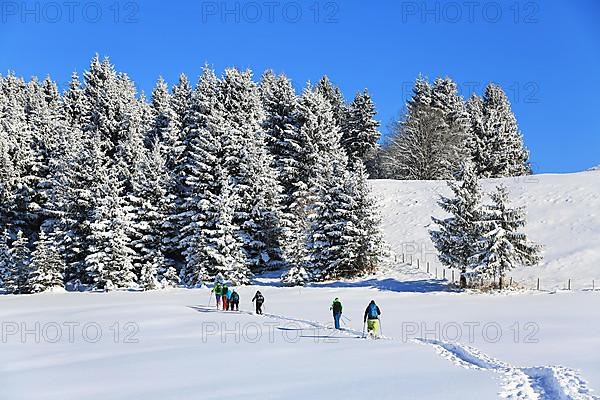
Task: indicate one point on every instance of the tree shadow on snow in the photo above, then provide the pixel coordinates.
(393, 285)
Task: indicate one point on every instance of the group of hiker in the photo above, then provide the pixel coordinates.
(229, 300)
(371, 317)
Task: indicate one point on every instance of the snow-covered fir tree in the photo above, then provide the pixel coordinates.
(165, 128)
(218, 250)
(5, 260)
(47, 265)
(502, 244)
(479, 141)
(502, 151)
(73, 102)
(249, 164)
(109, 256)
(287, 147)
(457, 236)
(78, 174)
(198, 170)
(319, 137)
(366, 217)
(333, 95)
(16, 278)
(345, 236)
(360, 130)
(329, 202)
(181, 100)
(148, 209)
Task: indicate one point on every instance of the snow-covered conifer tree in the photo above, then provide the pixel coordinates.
(109, 257)
(502, 244)
(287, 146)
(333, 95)
(505, 152)
(16, 279)
(5, 260)
(73, 103)
(366, 218)
(249, 164)
(360, 131)
(47, 265)
(479, 142)
(148, 209)
(198, 170)
(218, 250)
(327, 200)
(457, 236)
(165, 127)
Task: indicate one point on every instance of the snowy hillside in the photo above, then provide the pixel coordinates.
(563, 215)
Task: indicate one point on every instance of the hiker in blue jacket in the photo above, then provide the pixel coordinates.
(372, 314)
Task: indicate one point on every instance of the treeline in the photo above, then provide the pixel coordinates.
(440, 131)
(101, 188)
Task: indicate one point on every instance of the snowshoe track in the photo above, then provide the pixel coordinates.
(537, 383)
(519, 383)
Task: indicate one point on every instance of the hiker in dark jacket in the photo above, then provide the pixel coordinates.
(234, 302)
(336, 307)
(372, 314)
(259, 298)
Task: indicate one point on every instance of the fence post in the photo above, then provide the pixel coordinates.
(395, 257)
(418, 263)
(453, 276)
(569, 286)
(411, 259)
(538, 284)
(444, 273)
(403, 259)
(510, 284)
(427, 266)
(436, 273)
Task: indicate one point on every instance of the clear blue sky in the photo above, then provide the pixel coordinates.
(546, 54)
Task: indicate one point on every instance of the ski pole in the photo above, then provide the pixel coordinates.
(380, 328)
(346, 318)
(364, 325)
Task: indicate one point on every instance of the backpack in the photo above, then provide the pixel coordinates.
(235, 296)
(224, 290)
(372, 311)
(259, 298)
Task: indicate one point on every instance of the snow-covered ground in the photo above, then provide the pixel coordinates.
(563, 215)
(438, 343)
(171, 344)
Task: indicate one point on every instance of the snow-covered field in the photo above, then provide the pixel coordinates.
(438, 344)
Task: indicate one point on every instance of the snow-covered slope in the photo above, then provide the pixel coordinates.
(563, 216)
